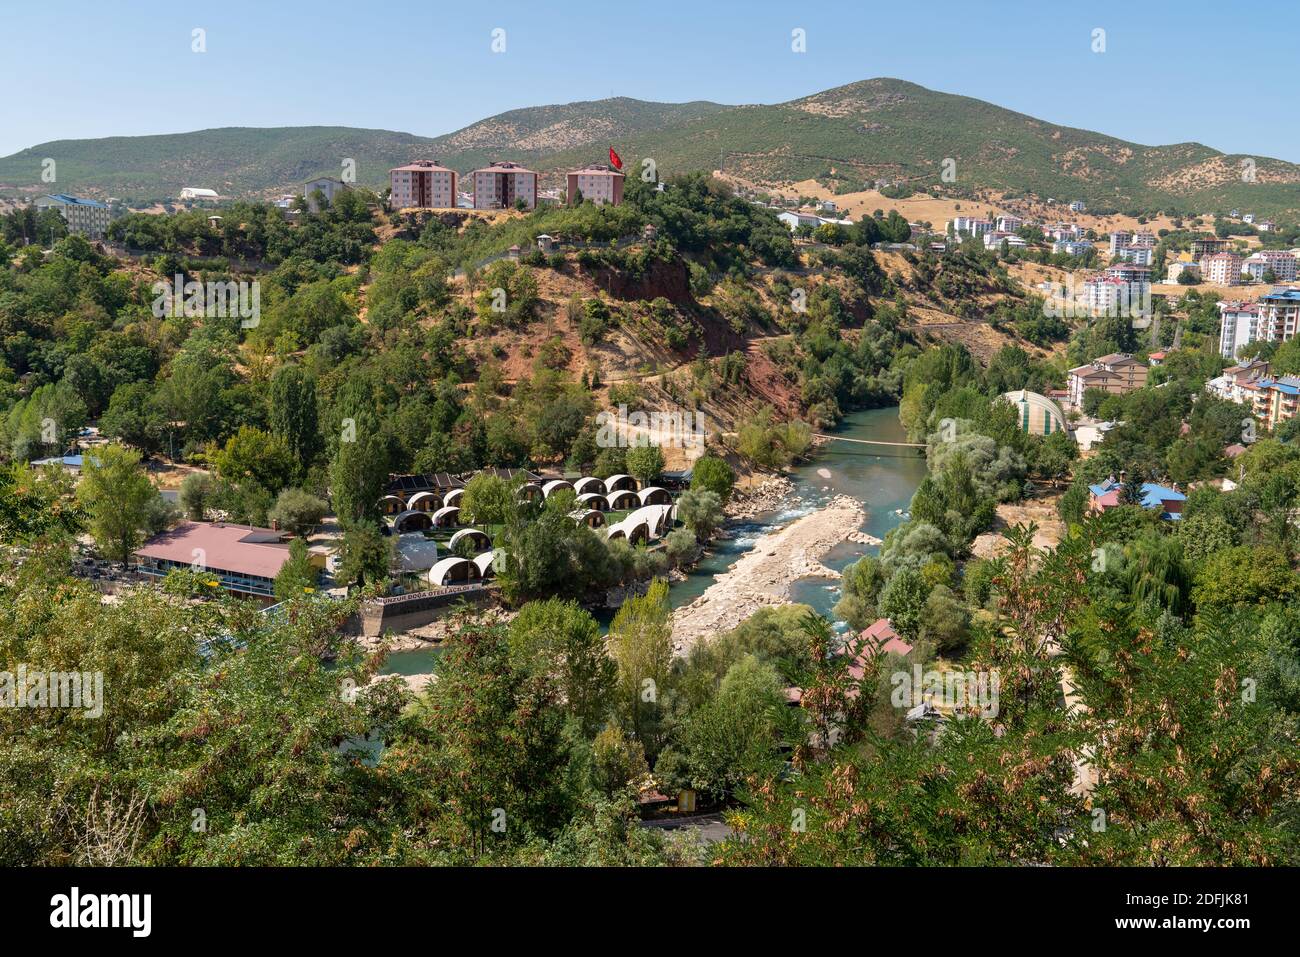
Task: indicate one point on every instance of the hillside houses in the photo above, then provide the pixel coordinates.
(1116, 373)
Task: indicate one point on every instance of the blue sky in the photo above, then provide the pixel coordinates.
(1171, 72)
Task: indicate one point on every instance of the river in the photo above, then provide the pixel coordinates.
(882, 479)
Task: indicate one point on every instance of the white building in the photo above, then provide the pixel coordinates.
(1278, 262)
(1222, 269)
(1239, 325)
(1138, 255)
(85, 217)
(199, 193)
(325, 185)
(970, 225)
(1071, 247)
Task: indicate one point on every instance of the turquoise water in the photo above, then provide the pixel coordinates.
(882, 479)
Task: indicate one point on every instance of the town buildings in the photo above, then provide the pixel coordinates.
(503, 185)
(1278, 400)
(970, 226)
(1177, 268)
(85, 217)
(422, 185)
(1207, 246)
(1240, 383)
(1222, 269)
(1071, 247)
(1280, 263)
(602, 184)
(1116, 373)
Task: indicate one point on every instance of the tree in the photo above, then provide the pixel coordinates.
(714, 475)
(646, 462)
(734, 735)
(296, 576)
(263, 458)
(617, 762)
(489, 500)
(903, 601)
(1244, 575)
(641, 642)
(701, 511)
(117, 496)
(496, 750)
(196, 492)
(293, 414)
(134, 418)
(297, 511)
(358, 476)
(365, 554)
(560, 641)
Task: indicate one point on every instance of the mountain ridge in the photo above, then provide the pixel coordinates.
(876, 129)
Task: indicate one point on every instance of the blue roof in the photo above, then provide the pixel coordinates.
(77, 201)
(1284, 294)
(1153, 496)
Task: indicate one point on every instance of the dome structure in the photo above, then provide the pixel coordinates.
(1038, 415)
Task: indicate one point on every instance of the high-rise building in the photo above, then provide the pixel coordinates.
(422, 185)
(597, 183)
(502, 185)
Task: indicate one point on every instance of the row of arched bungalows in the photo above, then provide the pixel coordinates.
(616, 493)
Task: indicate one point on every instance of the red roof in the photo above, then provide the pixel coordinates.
(880, 635)
(242, 549)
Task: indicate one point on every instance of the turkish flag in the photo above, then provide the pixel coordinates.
(614, 158)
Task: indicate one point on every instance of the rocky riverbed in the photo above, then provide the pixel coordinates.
(766, 497)
(763, 575)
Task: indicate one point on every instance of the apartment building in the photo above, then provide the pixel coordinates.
(1106, 296)
(502, 185)
(1281, 399)
(1078, 206)
(1071, 247)
(1238, 325)
(1009, 224)
(602, 184)
(1116, 373)
(1276, 261)
(1222, 269)
(422, 185)
(1207, 246)
(1138, 255)
(970, 225)
(995, 239)
(1143, 237)
(1118, 240)
(85, 217)
(1176, 269)
(1280, 313)
(1240, 383)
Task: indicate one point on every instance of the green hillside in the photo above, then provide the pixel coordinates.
(875, 129)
